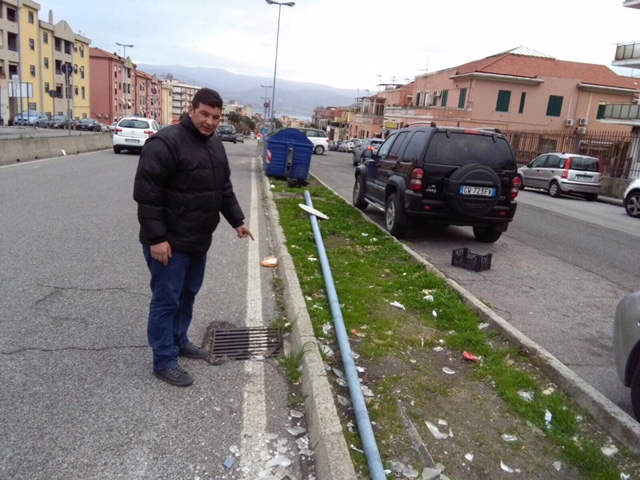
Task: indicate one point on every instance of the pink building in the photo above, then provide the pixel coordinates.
(118, 89)
(515, 90)
(107, 76)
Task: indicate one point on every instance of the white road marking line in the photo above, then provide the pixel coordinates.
(254, 405)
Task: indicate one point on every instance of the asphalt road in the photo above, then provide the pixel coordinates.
(556, 274)
(77, 396)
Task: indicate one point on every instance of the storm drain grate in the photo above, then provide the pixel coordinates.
(244, 343)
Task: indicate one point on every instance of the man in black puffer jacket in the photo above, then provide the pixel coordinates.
(182, 185)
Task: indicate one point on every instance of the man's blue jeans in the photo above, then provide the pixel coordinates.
(173, 291)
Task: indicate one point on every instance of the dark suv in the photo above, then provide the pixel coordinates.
(443, 175)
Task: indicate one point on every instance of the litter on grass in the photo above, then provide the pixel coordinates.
(506, 467)
(397, 305)
(435, 431)
(470, 357)
(448, 371)
(547, 419)
(428, 298)
(528, 396)
(509, 438)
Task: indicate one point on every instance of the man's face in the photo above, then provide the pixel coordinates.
(205, 118)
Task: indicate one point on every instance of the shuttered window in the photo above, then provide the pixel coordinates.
(504, 98)
(523, 97)
(462, 101)
(554, 107)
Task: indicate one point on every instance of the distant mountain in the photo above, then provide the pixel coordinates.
(292, 98)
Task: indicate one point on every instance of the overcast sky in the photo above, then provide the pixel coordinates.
(348, 43)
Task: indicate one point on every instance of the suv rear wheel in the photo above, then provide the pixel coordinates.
(486, 234)
(393, 218)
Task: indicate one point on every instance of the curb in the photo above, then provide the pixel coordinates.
(331, 453)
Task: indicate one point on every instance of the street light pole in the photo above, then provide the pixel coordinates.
(275, 66)
(124, 49)
(124, 56)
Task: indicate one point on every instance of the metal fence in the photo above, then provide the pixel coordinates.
(613, 149)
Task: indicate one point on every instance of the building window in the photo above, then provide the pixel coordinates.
(45, 37)
(32, 44)
(554, 107)
(462, 101)
(601, 108)
(46, 62)
(31, 18)
(445, 97)
(418, 95)
(523, 98)
(47, 87)
(83, 93)
(504, 98)
(32, 70)
(75, 91)
(81, 72)
(81, 51)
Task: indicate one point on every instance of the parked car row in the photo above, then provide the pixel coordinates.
(370, 144)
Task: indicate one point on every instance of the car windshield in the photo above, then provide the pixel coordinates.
(462, 149)
(224, 129)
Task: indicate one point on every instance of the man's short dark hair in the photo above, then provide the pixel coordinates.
(208, 97)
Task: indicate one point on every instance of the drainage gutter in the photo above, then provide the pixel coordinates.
(370, 447)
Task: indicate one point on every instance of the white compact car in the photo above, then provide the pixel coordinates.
(131, 132)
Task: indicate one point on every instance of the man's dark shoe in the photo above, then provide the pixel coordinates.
(175, 376)
(191, 351)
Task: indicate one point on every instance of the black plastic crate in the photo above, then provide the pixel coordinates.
(462, 257)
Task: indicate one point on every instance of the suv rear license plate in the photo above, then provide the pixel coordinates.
(131, 140)
(479, 191)
(583, 178)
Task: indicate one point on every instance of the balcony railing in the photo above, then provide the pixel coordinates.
(625, 111)
(627, 55)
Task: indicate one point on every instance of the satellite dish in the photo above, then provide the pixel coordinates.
(53, 93)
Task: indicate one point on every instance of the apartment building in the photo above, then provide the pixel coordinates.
(515, 90)
(34, 55)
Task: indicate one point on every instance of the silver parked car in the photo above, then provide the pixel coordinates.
(563, 173)
(626, 346)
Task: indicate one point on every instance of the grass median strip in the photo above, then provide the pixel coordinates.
(494, 413)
